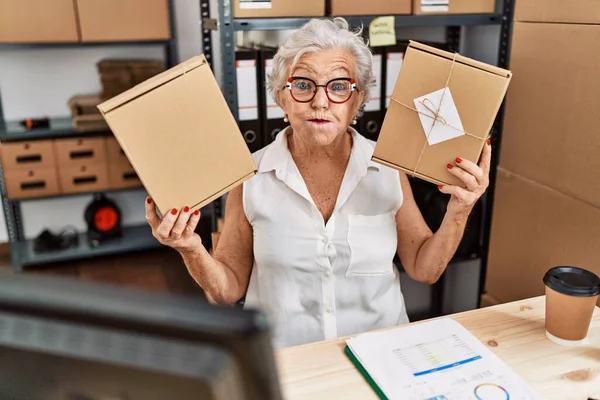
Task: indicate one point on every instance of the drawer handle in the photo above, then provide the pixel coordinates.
(81, 154)
(33, 185)
(85, 179)
(29, 158)
(129, 176)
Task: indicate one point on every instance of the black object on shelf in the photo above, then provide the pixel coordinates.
(35, 123)
(103, 219)
(47, 241)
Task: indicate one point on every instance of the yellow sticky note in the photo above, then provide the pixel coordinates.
(382, 31)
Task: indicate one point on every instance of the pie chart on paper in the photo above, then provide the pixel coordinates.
(491, 391)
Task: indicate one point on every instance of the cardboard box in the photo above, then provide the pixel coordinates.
(372, 7)
(121, 176)
(37, 154)
(278, 8)
(551, 121)
(83, 178)
(37, 21)
(429, 7)
(410, 141)
(121, 20)
(579, 11)
(31, 183)
(178, 133)
(80, 151)
(534, 228)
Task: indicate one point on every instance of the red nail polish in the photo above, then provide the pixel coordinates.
(458, 160)
(186, 209)
(149, 200)
(197, 212)
(489, 142)
(440, 187)
(174, 211)
(449, 166)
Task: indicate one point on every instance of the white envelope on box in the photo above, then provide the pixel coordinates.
(448, 125)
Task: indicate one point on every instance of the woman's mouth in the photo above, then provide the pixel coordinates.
(319, 121)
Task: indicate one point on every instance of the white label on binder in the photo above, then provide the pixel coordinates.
(435, 5)
(273, 110)
(374, 103)
(255, 4)
(247, 90)
(394, 64)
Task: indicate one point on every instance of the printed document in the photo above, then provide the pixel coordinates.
(437, 360)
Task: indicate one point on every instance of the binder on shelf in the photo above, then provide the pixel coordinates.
(272, 114)
(247, 73)
(370, 123)
(393, 58)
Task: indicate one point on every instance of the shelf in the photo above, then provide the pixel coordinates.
(69, 45)
(79, 194)
(135, 238)
(59, 127)
(258, 24)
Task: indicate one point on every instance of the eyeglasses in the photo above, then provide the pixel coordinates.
(338, 90)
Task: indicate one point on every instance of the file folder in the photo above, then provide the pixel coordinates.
(272, 114)
(394, 55)
(373, 117)
(247, 73)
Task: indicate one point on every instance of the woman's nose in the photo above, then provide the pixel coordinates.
(320, 100)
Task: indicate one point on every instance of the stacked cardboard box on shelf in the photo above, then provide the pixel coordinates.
(85, 115)
(547, 202)
(120, 75)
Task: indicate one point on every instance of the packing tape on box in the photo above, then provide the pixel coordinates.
(435, 115)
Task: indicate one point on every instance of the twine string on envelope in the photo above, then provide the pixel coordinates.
(435, 115)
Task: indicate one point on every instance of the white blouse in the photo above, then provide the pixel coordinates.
(318, 281)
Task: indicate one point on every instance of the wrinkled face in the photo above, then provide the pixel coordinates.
(319, 120)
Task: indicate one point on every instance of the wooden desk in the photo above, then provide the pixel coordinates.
(514, 331)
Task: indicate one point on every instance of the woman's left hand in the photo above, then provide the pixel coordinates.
(475, 178)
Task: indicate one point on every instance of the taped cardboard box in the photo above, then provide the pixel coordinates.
(178, 133)
(575, 11)
(429, 7)
(373, 7)
(278, 8)
(535, 228)
(550, 132)
(443, 106)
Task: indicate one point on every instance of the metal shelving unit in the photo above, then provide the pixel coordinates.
(135, 238)
(228, 26)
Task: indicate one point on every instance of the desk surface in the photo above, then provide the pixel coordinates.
(514, 331)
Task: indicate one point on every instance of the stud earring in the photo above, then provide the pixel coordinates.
(285, 119)
(354, 121)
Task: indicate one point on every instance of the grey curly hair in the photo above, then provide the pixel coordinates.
(318, 35)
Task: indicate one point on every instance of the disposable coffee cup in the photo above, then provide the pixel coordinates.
(571, 295)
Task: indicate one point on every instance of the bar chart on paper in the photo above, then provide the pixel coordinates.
(442, 354)
(438, 360)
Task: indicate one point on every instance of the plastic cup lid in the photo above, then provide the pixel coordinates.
(573, 281)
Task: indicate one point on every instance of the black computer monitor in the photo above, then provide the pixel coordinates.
(65, 339)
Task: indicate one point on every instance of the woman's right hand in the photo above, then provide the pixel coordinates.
(177, 228)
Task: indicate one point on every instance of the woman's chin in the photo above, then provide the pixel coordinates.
(321, 134)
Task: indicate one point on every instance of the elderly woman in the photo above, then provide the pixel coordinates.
(311, 238)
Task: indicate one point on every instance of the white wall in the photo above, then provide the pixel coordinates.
(39, 82)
